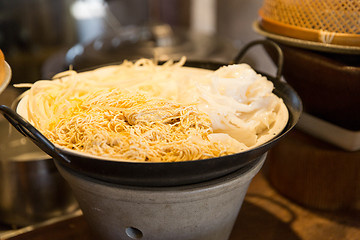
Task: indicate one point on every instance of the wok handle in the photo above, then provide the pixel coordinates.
(264, 42)
(28, 130)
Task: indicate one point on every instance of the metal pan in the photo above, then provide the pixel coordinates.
(162, 174)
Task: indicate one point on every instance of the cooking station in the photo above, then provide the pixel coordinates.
(302, 184)
(265, 215)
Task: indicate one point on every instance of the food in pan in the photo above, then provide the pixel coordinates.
(143, 111)
(2, 67)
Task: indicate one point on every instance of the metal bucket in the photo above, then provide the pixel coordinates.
(31, 188)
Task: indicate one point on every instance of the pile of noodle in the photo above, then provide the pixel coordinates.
(133, 126)
(143, 111)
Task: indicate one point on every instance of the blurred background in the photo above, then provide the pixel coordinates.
(41, 37)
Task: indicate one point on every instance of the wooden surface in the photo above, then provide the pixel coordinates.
(268, 215)
(265, 215)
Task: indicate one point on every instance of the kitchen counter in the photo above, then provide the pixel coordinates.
(265, 215)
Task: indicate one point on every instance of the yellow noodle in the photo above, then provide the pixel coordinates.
(135, 127)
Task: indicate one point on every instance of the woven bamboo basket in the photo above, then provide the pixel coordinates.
(326, 21)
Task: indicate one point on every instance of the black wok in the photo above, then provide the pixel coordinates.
(167, 173)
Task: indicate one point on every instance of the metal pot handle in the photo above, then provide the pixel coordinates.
(28, 130)
(264, 42)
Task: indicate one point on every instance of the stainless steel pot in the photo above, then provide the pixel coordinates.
(31, 188)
